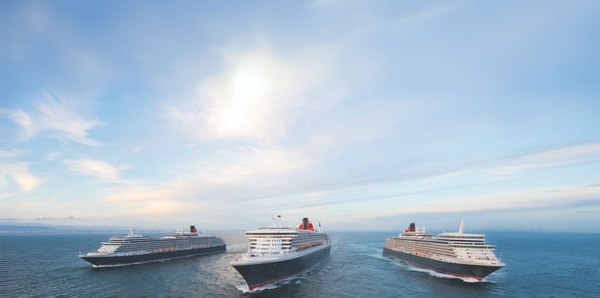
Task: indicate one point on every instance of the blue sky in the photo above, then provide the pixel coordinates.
(357, 114)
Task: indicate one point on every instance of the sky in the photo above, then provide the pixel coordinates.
(361, 115)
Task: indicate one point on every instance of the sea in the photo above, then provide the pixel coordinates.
(537, 265)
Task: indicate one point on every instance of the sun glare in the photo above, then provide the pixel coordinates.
(234, 119)
(248, 85)
(241, 114)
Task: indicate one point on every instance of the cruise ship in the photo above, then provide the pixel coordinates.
(135, 249)
(458, 253)
(278, 253)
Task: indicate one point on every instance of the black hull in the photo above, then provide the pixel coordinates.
(107, 261)
(463, 270)
(258, 275)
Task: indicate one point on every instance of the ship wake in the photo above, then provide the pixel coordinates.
(442, 275)
(296, 279)
(410, 267)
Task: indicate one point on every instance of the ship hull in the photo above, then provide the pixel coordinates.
(120, 260)
(462, 270)
(258, 275)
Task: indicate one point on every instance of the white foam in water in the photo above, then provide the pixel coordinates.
(441, 275)
(244, 288)
(295, 279)
(434, 273)
(378, 255)
(402, 264)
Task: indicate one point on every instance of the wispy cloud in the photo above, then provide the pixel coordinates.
(51, 156)
(565, 156)
(64, 122)
(19, 173)
(10, 153)
(250, 164)
(426, 15)
(369, 109)
(49, 218)
(212, 184)
(46, 218)
(257, 97)
(22, 119)
(275, 112)
(55, 117)
(163, 202)
(95, 168)
(540, 198)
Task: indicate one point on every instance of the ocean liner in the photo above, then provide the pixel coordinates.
(278, 253)
(135, 248)
(458, 253)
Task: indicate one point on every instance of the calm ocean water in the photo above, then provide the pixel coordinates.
(538, 265)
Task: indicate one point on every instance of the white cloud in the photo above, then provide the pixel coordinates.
(10, 153)
(564, 156)
(575, 152)
(257, 97)
(19, 173)
(55, 116)
(94, 168)
(23, 119)
(213, 178)
(427, 15)
(536, 198)
(252, 163)
(145, 200)
(51, 156)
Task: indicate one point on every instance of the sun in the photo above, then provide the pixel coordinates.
(243, 112)
(249, 85)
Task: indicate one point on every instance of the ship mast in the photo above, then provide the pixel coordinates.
(276, 220)
(461, 229)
